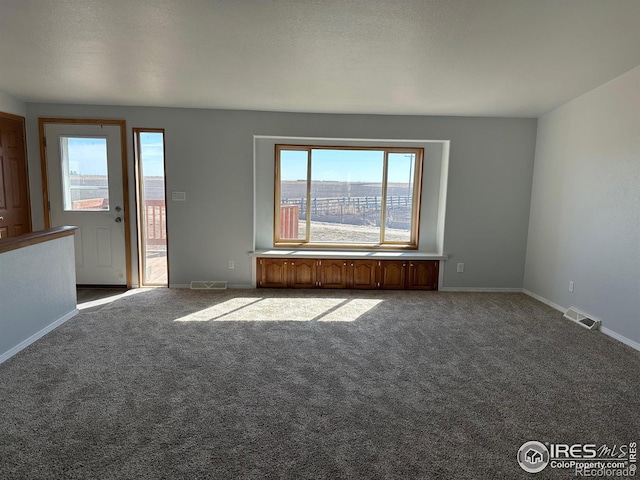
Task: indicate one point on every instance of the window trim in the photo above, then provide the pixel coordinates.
(139, 194)
(412, 244)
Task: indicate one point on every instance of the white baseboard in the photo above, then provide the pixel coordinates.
(479, 289)
(36, 336)
(560, 308)
(621, 338)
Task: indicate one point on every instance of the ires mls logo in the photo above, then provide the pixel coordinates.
(533, 457)
(577, 451)
(585, 459)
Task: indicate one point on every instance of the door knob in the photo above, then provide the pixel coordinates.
(118, 220)
(118, 209)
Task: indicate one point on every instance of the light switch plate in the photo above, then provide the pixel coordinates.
(179, 196)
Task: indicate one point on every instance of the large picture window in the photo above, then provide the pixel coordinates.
(347, 196)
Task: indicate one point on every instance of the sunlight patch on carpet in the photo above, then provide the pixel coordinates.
(217, 311)
(284, 310)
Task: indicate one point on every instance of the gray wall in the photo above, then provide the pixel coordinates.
(585, 206)
(210, 157)
(37, 288)
(10, 104)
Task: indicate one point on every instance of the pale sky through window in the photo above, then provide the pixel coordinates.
(152, 148)
(327, 165)
(345, 165)
(87, 156)
(89, 149)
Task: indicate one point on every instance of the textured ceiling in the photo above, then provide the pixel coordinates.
(434, 57)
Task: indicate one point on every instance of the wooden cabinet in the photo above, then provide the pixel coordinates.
(408, 274)
(302, 273)
(332, 273)
(284, 272)
(392, 274)
(347, 274)
(358, 274)
(422, 275)
(362, 274)
(272, 272)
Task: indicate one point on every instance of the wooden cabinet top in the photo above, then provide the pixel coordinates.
(14, 243)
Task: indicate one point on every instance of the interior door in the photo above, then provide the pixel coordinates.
(85, 187)
(15, 216)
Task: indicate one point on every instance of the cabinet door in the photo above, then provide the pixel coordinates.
(332, 273)
(272, 272)
(362, 274)
(393, 274)
(423, 275)
(303, 273)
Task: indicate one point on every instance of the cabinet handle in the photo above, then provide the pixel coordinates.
(411, 264)
(345, 264)
(404, 264)
(285, 263)
(292, 263)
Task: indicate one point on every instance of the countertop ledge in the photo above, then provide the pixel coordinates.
(14, 243)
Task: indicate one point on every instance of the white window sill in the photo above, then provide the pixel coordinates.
(351, 254)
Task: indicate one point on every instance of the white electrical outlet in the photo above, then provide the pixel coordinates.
(571, 286)
(232, 264)
(460, 268)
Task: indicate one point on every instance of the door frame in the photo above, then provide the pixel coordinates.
(42, 122)
(23, 122)
(141, 229)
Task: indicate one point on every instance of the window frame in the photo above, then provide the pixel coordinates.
(65, 169)
(141, 224)
(412, 244)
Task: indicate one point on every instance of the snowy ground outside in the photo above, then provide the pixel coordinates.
(341, 233)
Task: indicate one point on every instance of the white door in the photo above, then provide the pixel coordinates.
(84, 169)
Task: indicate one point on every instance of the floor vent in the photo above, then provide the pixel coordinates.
(219, 285)
(582, 319)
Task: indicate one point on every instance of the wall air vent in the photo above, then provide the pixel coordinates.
(216, 285)
(582, 319)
